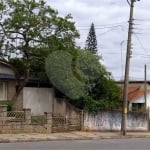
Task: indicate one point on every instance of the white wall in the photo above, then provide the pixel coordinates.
(111, 121)
(39, 100)
(148, 100)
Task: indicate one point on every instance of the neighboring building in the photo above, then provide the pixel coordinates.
(137, 96)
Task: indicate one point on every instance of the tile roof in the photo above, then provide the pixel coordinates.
(135, 92)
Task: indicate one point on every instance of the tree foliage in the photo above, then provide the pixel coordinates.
(71, 72)
(91, 42)
(83, 79)
(104, 94)
(30, 30)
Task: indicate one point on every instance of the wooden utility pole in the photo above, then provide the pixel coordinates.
(145, 85)
(126, 78)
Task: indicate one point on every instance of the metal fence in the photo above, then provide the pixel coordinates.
(63, 123)
(15, 116)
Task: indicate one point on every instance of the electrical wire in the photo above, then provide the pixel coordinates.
(139, 41)
(113, 24)
(101, 28)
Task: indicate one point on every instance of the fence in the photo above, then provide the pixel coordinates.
(14, 116)
(24, 122)
(64, 123)
(111, 121)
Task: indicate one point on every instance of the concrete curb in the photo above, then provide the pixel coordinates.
(71, 138)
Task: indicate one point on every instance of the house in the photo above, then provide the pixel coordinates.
(6, 74)
(138, 97)
(39, 96)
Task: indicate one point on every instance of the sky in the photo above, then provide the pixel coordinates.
(110, 18)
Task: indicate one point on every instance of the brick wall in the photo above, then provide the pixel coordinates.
(24, 126)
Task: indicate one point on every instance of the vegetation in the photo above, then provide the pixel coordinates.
(9, 104)
(83, 80)
(91, 42)
(103, 94)
(29, 31)
(32, 32)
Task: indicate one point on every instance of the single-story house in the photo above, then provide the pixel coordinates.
(39, 96)
(137, 96)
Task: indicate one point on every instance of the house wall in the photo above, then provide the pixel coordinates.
(6, 70)
(39, 100)
(3, 90)
(111, 121)
(10, 92)
(148, 100)
(141, 100)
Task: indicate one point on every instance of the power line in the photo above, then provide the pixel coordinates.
(143, 25)
(141, 29)
(142, 46)
(113, 24)
(142, 20)
(133, 55)
(101, 28)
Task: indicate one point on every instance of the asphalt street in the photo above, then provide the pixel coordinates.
(103, 144)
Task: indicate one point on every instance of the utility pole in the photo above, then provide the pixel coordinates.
(145, 85)
(121, 59)
(126, 78)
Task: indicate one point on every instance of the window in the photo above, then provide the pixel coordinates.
(3, 91)
(137, 106)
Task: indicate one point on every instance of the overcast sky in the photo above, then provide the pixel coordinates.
(110, 18)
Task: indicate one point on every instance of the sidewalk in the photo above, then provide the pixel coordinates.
(77, 135)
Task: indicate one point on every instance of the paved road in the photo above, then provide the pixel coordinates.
(107, 144)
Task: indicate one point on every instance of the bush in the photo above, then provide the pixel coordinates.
(9, 104)
(88, 103)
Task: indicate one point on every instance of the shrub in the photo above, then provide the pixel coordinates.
(9, 104)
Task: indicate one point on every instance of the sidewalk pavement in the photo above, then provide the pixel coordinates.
(76, 135)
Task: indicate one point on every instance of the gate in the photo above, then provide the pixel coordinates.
(64, 123)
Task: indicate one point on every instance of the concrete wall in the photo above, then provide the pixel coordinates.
(39, 100)
(63, 107)
(148, 100)
(111, 121)
(59, 106)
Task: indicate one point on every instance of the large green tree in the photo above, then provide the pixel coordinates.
(91, 42)
(29, 31)
(83, 79)
(73, 73)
